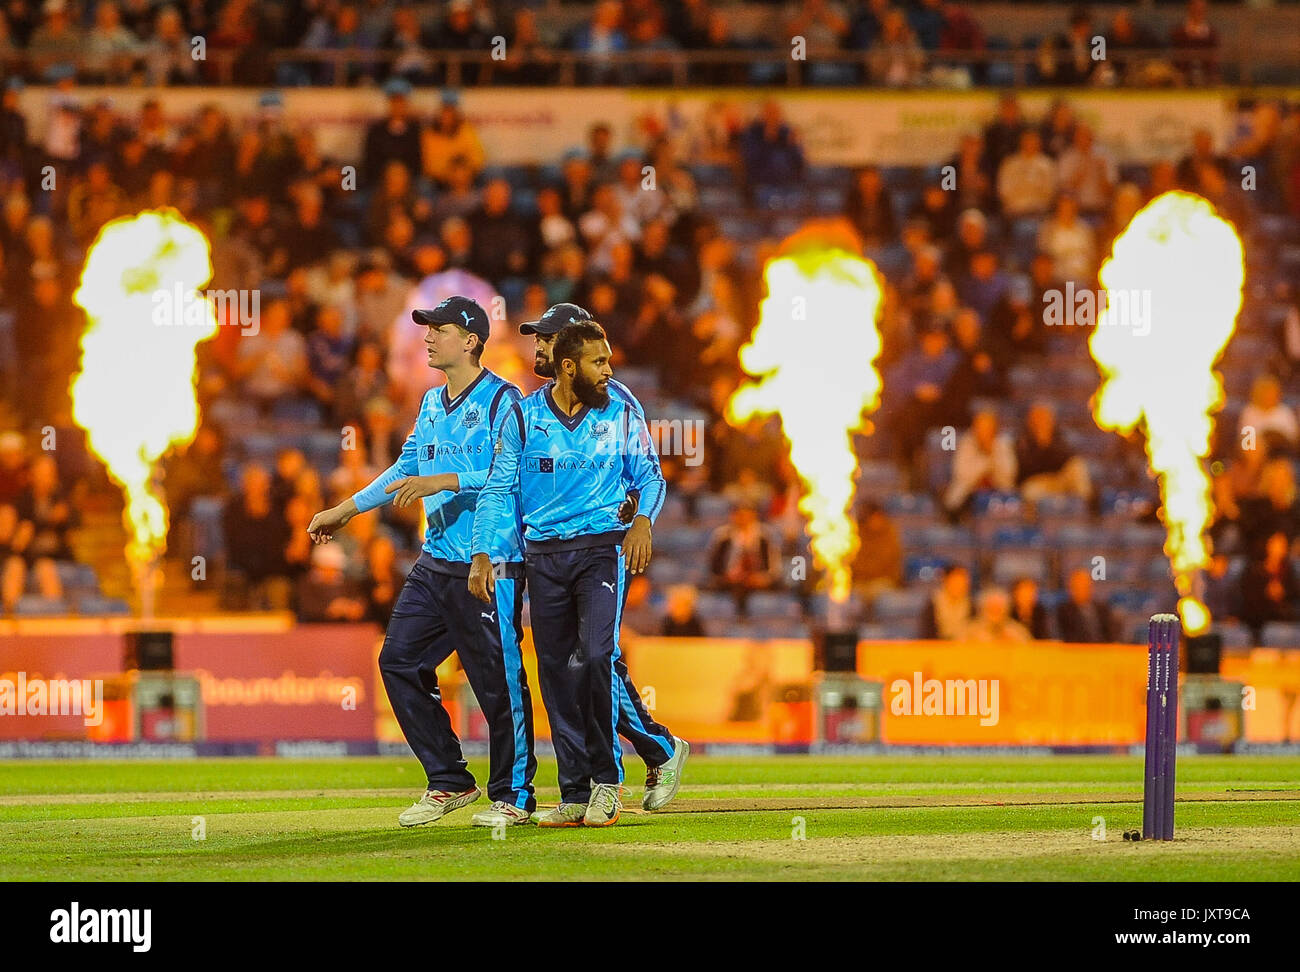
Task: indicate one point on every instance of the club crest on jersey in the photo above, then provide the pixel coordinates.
(602, 430)
(472, 417)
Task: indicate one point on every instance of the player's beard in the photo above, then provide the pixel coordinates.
(588, 393)
(543, 368)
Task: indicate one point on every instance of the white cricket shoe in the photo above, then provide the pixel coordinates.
(604, 806)
(661, 782)
(565, 815)
(500, 814)
(435, 804)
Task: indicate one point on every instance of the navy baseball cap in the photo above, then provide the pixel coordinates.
(556, 319)
(468, 313)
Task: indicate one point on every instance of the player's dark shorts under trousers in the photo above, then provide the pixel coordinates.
(434, 615)
(575, 601)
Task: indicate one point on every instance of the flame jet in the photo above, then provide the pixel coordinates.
(1190, 262)
(134, 394)
(813, 354)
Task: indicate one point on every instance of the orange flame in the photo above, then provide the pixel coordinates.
(1190, 261)
(134, 395)
(813, 353)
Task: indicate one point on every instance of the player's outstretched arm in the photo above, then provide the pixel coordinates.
(407, 491)
(326, 523)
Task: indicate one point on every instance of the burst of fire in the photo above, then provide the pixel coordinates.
(1190, 260)
(134, 395)
(813, 353)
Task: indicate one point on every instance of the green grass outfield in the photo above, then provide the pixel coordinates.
(870, 818)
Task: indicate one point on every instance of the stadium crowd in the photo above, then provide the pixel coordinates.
(988, 494)
(614, 42)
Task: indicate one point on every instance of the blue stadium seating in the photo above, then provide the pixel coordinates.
(892, 605)
(34, 606)
(1278, 634)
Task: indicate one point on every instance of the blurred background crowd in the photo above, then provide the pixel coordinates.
(991, 506)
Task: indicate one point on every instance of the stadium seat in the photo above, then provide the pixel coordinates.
(892, 605)
(923, 568)
(992, 504)
(1012, 564)
(1019, 535)
(1277, 634)
(297, 411)
(715, 605)
(34, 606)
(772, 605)
(1234, 634)
(97, 606)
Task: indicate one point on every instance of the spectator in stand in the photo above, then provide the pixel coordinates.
(364, 381)
(986, 283)
(1275, 510)
(1228, 197)
(1195, 44)
(1202, 153)
(1015, 326)
(974, 184)
(195, 472)
(602, 37)
(329, 351)
(743, 558)
(1081, 619)
(325, 595)
(895, 60)
(972, 237)
(1028, 610)
(979, 374)
(1088, 171)
(449, 140)
(45, 517)
(994, 621)
(770, 150)
(1078, 46)
(14, 470)
(1270, 419)
(918, 381)
(1046, 465)
(985, 460)
(961, 34)
(948, 612)
(1002, 135)
(1270, 590)
(461, 32)
(505, 245)
(938, 208)
(394, 138)
(1027, 179)
(680, 618)
(256, 534)
(272, 364)
(354, 471)
(878, 565)
(606, 226)
(1126, 37)
(386, 578)
(1070, 241)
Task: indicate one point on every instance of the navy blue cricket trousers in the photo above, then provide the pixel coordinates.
(576, 604)
(433, 616)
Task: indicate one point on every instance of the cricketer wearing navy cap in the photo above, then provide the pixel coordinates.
(445, 464)
(663, 753)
